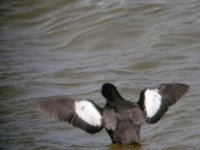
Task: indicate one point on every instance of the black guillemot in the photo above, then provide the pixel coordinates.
(120, 118)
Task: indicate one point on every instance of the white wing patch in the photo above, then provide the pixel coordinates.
(88, 112)
(152, 102)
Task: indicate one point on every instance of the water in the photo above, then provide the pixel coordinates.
(64, 47)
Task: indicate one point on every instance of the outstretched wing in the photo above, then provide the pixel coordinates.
(83, 114)
(155, 101)
(171, 93)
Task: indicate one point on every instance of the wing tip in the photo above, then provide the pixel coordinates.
(43, 107)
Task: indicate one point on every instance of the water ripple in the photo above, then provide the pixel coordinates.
(71, 47)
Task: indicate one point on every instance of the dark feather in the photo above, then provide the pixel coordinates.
(63, 109)
(170, 94)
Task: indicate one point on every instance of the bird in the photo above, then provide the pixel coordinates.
(121, 118)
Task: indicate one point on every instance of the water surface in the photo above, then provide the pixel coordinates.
(64, 47)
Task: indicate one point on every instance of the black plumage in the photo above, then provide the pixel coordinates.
(120, 118)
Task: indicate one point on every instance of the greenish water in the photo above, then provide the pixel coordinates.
(64, 47)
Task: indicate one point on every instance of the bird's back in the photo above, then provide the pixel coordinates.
(123, 121)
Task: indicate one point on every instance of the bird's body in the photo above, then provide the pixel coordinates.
(123, 125)
(120, 118)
